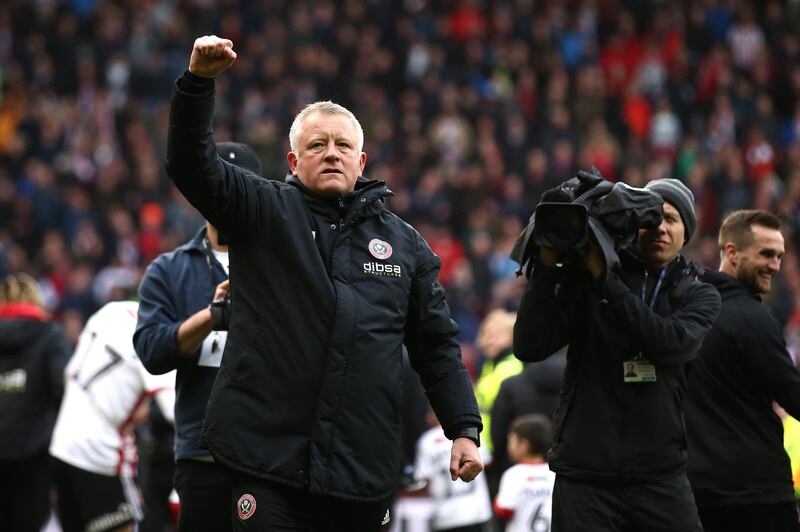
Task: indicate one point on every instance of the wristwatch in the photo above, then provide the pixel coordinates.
(469, 432)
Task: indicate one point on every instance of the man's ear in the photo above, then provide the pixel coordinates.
(291, 158)
(731, 253)
(362, 161)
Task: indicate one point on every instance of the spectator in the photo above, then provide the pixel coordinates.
(83, 123)
(495, 340)
(534, 391)
(33, 353)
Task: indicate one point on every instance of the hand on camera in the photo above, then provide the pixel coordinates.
(548, 256)
(593, 257)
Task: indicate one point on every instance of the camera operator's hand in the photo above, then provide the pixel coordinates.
(548, 256)
(222, 289)
(593, 257)
(210, 56)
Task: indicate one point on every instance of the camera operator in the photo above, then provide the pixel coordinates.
(177, 330)
(619, 450)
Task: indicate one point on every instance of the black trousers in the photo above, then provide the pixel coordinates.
(91, 501)
(156, 474)
(205, 493)
(25, 493)
(259, 505)
(661, 506)
(776, 517)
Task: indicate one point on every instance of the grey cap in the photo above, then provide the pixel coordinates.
(679, 196)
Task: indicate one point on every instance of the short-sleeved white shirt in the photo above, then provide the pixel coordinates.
(456, 503)
(527, 490)
(105, 383)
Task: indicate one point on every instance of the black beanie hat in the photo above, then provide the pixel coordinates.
(679, 196)
(241, 155)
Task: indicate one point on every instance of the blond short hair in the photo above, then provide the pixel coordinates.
(501, 316)
(327, 107)
(20, 288)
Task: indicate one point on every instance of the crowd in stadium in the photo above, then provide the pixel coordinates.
(471, 109)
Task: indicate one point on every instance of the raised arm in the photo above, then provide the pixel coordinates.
(222, 192)
(547, 312)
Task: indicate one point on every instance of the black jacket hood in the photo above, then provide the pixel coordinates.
(16, 334)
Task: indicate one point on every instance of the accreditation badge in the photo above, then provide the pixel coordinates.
(638, 370)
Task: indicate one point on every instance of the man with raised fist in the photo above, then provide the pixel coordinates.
(326, 285)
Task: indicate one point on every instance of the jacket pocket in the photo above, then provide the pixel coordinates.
(247, 363)
(679, 405)
(561, 414)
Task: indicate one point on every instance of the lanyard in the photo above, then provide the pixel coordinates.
(658, 287)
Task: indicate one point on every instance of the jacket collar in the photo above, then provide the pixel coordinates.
(366, 199)
(196, 243)
(20, 310)
(727, 285)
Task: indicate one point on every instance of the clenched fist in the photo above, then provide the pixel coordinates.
(465, 460)
(210, 56)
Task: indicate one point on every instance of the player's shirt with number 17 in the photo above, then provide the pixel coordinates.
(105, 384)
(525, 497)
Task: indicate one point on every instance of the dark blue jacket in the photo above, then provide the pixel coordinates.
(175, 286)
(309, 391)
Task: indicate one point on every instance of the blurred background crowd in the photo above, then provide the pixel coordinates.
(471, 108)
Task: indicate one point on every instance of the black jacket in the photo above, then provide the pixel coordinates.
(534, 391)
(33, 354)
(175, 286)
(736, 453)
(309, 389)
(606, 429)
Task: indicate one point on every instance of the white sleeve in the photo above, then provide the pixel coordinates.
(508, 492)
(423, 468)
(162, 388)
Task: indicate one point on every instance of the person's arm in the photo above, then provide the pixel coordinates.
(156, 336)
(434, 353)
(674, 339)
(196, 327)
(548, 310)
(505, 502)
(768, 361)
(222, 192)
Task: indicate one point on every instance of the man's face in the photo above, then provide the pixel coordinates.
(327, 160)
(494, 337)
(757, 264)
(516, 448)
(660, 246)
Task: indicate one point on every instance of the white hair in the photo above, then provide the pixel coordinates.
(323, 107)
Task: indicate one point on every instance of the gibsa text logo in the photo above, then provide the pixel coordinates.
(386, 270)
